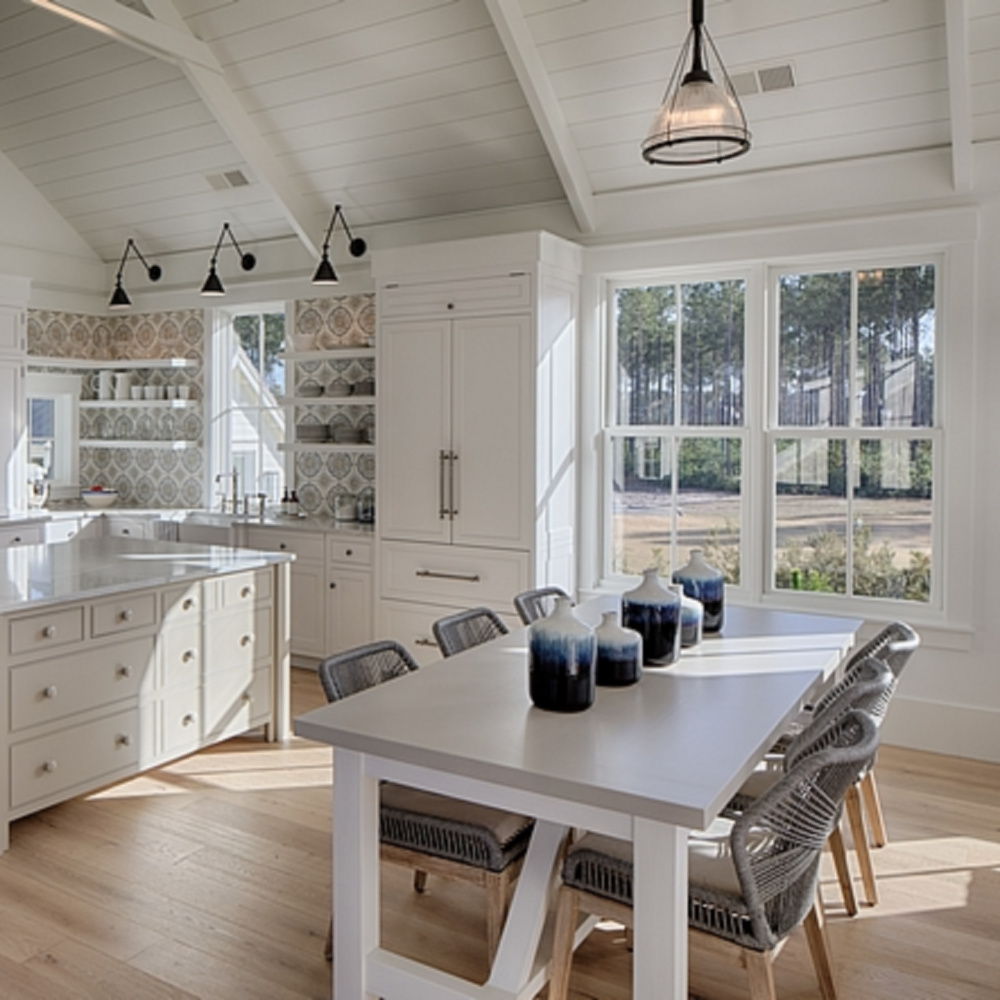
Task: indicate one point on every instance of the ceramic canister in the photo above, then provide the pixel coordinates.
(562, 654)
(692, 617)
(619, 653)
(706, 584)
(655, 613)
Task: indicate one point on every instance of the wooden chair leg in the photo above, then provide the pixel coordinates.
(328, 946)
(839, 852)
(419, 880)
(859, 834)
(562, 944)
(760, 973)
(496, 911)
(873, 807)
(819, 948)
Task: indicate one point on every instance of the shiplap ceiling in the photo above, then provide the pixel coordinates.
(410, 109)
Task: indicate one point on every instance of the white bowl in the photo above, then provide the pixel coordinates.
(99, 498)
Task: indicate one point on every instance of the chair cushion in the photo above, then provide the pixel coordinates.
(452, 828)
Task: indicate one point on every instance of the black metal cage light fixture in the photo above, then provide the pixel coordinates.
(213, 286)
(699, 121)
(325, 274)
(119, 297)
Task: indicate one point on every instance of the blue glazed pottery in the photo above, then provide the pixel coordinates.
(655, 613)
(562, 657)
(706, 584)
(619, 653)
(692, 618)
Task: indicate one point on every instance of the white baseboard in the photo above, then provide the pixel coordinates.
(959, 730)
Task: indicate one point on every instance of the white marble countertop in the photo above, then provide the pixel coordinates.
(80, 569)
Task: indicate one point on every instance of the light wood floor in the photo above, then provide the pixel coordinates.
(210, 878)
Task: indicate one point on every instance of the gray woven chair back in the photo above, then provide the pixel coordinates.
(894, 644)
(466, 629)
(363, 667)
(777, 842)
(534, 604)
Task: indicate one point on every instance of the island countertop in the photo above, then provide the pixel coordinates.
(38, 575)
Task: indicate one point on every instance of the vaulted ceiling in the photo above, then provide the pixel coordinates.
(159, 119)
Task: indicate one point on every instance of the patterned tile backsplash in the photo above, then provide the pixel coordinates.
(158, 477)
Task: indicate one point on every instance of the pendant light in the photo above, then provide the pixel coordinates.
(119, 297)
(700, 120)
(213, 284)
(325, 274)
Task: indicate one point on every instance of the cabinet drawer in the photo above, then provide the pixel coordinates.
(61, 531)
(181, 605)
(29, 534)
(53, 689)
(81, 755)
(181, 721)
(472, 296)
(238, 640)
(182, 655)
(340, 550)
(122, 614)
(128, 527)
(235, 701)
(238, 590)
(453, 575)
(39, 633)
(305, 544)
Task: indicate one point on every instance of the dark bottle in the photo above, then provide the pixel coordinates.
(562, 653)
(706, 584)
(655, 613)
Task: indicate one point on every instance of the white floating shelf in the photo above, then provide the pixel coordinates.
(325, 446)
(331, 355)
(327, 401)
(137, 404)
(154, 445)
(122, 364)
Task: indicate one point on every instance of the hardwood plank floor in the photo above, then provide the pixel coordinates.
(210, 879)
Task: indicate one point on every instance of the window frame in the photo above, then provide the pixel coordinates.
(64, 390)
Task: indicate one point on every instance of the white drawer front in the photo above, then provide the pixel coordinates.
(228, 701)
(238, 640)
(471, 297)
(410, 625)
(53, 689)
(182, 655)
(123, 614)
(42, 632)
(181, 721)
(181, 604)
(305, 544)
(239, 590)
(61, 531)
(352, 553)
(81, 755)
(449, 574)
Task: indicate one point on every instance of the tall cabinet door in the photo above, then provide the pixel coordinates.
(414, 430)
(492, 432)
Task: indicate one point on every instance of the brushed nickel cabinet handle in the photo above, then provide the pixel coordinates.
(246, 591)
(246, 640)
(452, 508)
(189, 720)
(189, 655)
(126, 615)
(425, 642)
(434, 575)
(50, 766)
(49, 632)
(189, 603)
(442, 506)
(50, 692)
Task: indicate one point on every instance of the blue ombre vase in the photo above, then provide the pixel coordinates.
(655, 613)
(706, 584)
(692, 618)
(562, 657)
(619, 653)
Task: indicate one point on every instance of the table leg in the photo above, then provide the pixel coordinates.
(355, 874)
(659, 894)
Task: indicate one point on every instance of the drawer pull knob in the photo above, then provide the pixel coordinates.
(49, 632)
(123, 740)
(189, 603)
(333, 585)
(16, 539)
(51, 691)
(126, 615)
(434, 575)
(188, 655)
(246, 592)
(49, 766)
(247, 697)
(282, 546)
(246, 640)
(189, 720)
(125, 670)
(349, 552)
(425, 642)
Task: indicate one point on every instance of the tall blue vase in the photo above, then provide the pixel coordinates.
(655, 613)
(562, 659)
(619, 653)
(706, 584)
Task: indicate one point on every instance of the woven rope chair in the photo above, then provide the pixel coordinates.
(432, 833)
(534, 604)
(466, 629)
(752, 880)
(866, 686)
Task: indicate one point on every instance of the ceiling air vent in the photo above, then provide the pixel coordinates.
(227, 179)
(764, 80)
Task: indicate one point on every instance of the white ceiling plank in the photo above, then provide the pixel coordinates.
(957, 23)
(541, 98)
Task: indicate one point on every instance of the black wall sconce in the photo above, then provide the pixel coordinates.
(119, 297)
(325, 274)
(213, 286)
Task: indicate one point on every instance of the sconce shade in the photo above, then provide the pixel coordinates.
(356, 246)
(700, 121)
(119, 297)
(212, 286)
(213, 283)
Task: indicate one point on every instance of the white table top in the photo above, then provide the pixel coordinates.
(672, 748)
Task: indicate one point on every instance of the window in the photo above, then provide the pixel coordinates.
(824, 482)
(53, 432)
(249, 384)
(675, 450)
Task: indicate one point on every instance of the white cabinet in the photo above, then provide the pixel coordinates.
(22, 534)
(349, 594)
(477, 416)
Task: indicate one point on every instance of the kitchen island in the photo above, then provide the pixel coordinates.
(120, 654)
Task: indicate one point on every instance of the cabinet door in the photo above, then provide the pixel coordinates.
(350, 618)
(308, 607)
(414, 419)
(492, 432)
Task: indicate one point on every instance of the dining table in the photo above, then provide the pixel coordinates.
(647, 763)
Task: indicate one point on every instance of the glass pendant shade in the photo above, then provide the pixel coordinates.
(699, 121)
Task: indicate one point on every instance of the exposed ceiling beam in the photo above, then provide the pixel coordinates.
(541, 97)
(957, 30)
(167, 36)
